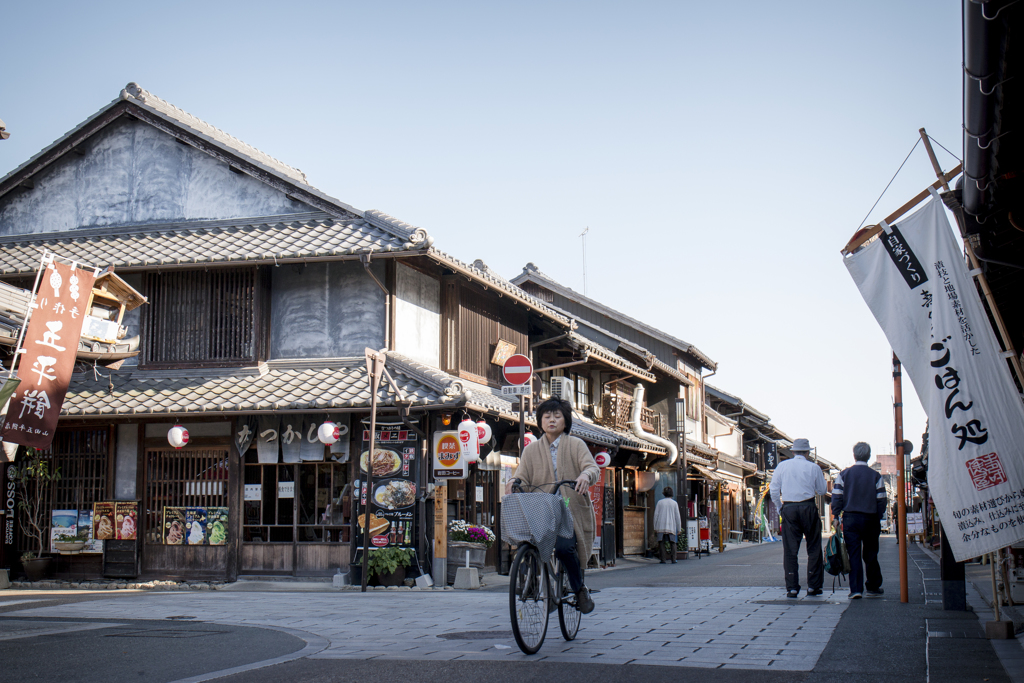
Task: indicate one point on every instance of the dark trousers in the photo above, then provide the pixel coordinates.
(860, 531)
(565, 551)
(801, 521)
(667, 542)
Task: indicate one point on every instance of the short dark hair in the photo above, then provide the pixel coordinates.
(861, 452)
(667, 492)
(554, 405)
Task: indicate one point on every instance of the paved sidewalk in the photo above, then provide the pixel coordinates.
(748, 628)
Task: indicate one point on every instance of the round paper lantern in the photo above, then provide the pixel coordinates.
(483, 432)
(328, 433)
(177, 436)
(603, 459)
(528, 439)
(468, 441)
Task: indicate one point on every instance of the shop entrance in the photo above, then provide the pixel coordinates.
(295, 518)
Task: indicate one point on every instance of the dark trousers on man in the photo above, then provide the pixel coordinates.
(860, 531)
(800, 521)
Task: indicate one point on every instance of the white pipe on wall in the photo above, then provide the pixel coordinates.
(638, 431)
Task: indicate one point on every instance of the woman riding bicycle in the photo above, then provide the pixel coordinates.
(553, 457)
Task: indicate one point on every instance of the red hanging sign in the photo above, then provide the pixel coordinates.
(51, 343)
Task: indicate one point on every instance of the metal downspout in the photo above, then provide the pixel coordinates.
(638, 431)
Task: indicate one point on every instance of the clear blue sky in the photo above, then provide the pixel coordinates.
(721, 154)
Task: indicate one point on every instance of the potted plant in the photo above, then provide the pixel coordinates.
(467, 542)
(682, 545)
(69, 543)
(33, 480)
(387, 566)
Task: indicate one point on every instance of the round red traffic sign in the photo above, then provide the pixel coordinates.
(517, 369)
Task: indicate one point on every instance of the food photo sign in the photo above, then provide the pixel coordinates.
(392, 503)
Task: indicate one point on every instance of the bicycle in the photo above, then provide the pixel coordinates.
(537, 588)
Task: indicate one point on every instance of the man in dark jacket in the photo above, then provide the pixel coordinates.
(859, 495)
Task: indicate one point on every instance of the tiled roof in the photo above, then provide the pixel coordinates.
(532, 273)
(479, 271)
(335, 384)
(269, 239)
(609, 357)
(487, 399)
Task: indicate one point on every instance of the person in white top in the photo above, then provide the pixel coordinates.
(667, 523)
(794, 485)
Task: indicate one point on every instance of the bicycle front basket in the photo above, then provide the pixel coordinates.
(537, 518)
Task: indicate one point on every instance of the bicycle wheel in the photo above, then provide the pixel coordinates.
(569, 615)
(527, 599)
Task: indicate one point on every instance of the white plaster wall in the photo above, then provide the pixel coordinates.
(418, 315)
(134, 174)
(126, 462)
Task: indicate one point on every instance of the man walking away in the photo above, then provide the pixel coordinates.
(859, 495)
(794, 485)
(667, 523)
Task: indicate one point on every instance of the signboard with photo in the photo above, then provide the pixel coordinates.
(126, 514)
(103, 524)
(392, 503)
(62, 523)
(195, 526)
(85, 522)
(174, 526)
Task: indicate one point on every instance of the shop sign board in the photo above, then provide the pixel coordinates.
(448, 459)
(392, 503)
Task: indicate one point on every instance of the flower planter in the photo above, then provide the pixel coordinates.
(457, 551)
(69, 547)
(38, 568)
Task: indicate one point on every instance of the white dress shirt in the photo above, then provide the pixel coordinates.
(796, 479)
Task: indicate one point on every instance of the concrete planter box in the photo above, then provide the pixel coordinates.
(457, 551)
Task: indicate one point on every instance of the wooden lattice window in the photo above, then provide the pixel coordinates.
(204, 317)
(180, 479)
(83, 459)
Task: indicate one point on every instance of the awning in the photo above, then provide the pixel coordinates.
(718, 475)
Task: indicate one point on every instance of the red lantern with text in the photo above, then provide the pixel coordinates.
(328, 433)
(603, 458)
(468, 441)
(177, 436)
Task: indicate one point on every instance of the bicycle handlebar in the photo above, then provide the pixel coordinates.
(559, 484)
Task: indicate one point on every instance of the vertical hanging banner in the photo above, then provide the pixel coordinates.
(51, 342)
(915, 281)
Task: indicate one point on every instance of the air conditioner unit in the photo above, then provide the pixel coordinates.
(562, 388)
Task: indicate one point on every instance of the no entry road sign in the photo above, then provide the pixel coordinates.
(517, 369)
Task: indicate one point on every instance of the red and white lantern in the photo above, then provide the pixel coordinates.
(177, 436)
(483, 432)
(603, 458)
(528, 439)
(469, 443)
(328, 433)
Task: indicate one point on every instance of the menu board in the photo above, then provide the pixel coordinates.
(126, 514)
(104, 527)
(195, 526)
(392, 503)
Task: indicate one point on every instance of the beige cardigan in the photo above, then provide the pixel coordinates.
(574, 459)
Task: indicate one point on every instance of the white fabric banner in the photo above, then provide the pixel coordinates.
(915, 281)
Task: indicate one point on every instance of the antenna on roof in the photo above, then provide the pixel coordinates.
(583, 236)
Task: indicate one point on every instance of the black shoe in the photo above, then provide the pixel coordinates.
(583, 602)
(673, 561)
(875, 591)
(813, 592)
(793, 594)
(662, 562)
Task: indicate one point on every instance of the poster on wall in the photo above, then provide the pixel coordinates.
(195, 526)
(85, 523)
(126, 514)
(62, 523)
(103, 527)
(174, 526)
(392, 503)
(216, 526)
(597, 500)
